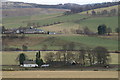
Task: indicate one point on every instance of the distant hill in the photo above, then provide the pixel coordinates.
(30, 11)
(10, 4)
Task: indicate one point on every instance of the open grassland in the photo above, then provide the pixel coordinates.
(92, 41)
(60, 74)
(93, 23)
(9, 57)
(17, 21)
(56, 42)
(14, 22)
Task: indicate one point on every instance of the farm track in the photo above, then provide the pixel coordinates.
(60, 74)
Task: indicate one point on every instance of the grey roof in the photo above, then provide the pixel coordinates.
(33, 30)
(29, 62)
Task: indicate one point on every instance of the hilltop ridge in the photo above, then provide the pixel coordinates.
(11, 4)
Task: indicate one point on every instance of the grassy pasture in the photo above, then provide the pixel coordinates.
(14, 22)
(55, 42)
(9, 57)
(94, 22)
(92, 41)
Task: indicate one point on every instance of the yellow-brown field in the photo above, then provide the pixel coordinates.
(100, 9)
(60, 74)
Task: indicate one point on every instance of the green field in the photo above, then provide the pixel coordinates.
(80, 41)
(14, 22)
(9, 58)
(56, 42)
(93, 23)
(93, 41)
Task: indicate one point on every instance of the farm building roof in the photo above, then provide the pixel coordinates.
(29, 62)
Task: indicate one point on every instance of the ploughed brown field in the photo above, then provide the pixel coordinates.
(60, 74)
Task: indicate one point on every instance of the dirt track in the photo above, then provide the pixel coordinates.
(60, 74)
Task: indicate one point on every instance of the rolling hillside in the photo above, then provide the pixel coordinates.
(15, 12)
(51, 16)
(68, 23)
(101, 9)
(15, 22)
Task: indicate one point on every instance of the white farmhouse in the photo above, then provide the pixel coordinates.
(29, 64)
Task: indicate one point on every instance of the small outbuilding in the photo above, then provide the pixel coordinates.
(45, 65)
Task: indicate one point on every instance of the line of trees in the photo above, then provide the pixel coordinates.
(37, 24)
(104, 12)
(85, 31)
(85, 57)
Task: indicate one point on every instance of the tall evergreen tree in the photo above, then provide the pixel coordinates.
(21, 58)
(102, 29)
(39, 61)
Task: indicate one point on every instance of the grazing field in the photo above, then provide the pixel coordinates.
(93, 41)
(94, 22)
(17, 21)
(56, 42)
(9, 57)
(60, 74)
(46, 19)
